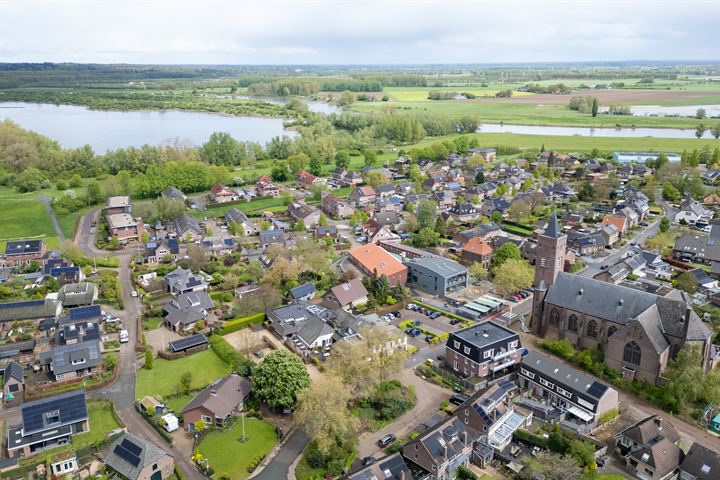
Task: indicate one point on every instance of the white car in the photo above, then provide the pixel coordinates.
(134, 293)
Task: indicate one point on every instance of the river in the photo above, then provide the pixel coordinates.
(639, 132)
(75, 126)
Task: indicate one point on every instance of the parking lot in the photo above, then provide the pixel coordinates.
(439, 325)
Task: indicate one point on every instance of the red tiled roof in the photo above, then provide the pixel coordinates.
(375, 259)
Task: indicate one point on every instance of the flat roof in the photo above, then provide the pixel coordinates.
(118, 201)
(485, 333)
(120, 220)
(441, 266)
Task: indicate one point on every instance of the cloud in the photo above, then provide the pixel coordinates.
(353, 32)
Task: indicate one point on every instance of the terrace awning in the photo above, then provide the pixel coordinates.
(581, 414)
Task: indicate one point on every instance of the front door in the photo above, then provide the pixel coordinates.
(157, 475)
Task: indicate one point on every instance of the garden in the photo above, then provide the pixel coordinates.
(231, 456)
(102, 420)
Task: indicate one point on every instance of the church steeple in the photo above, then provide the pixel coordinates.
(550, 258)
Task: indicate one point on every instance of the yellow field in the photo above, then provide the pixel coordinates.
(419, 94)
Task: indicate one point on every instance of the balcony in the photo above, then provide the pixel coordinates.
(501, 366)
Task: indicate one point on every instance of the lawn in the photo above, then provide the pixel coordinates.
(229, 456)
(178, 403)
(162, 380)
(102, 422)
(151, 323)
(24, 216)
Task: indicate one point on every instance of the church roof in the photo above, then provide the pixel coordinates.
(553, 228)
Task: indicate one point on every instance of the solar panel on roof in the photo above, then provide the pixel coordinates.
(131, 447)
(597, 389)
(126, 455)
(30, 303)
(84, 312)
(188, 342)
(71, 408)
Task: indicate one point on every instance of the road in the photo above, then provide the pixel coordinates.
(48, 207)
(122, 392)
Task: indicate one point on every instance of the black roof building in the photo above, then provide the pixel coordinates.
(24, 247)
(476, 341)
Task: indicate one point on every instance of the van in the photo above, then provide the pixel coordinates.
(124, 336)
(386, 440)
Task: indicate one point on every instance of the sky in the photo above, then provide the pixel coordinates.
(357, 32)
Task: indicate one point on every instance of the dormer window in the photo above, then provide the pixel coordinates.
(53, 416)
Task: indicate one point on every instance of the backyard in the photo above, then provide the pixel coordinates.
(102, 421)
(164, 378)
(230, 456)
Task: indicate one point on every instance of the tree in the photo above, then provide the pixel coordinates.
(505, 252)
(29, 180)
(374, 178)
(323, 221)
(61, 184)
(280, 172)
(279, 378)
(342, 159)
(664, 224)
(480, 177)
(370, 156)
(197, 258)
(425, 213)
(110, 362)
(297, 162)
(519, 210)
(221, 149)
(700, 130)
(440, 226)
(315, 166)
(700, 114)
(94, 195)
(670, 193)
(594, 108)
(478, 271)
(186, 382)
(169, 208)
(688, 384)
(75, 181)
(426, 237)
(149, 359)
(200, 425)
(552, 466)
(514, 275)
(496, 217)
(716, 130)
(323, 413)
(686, 282)
(346, 99)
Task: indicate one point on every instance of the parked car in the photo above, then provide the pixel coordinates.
(417, 323)
(428, 338)
(386, 440)
(412, 306)
(134, 293)
(415, 332)
(395, 314)
(434, 315)
(367, 461)
(258, 353)
(458, 399)
(454, 321)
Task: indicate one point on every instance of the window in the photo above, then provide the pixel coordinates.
(155, 466)
(456, 344)
(206, 419)
(466, 350)
(60, 376)
(488, 353)
(592, 329)
(563, 392)
(611, 330)
(572, 324)
(547, 384)
(79, 361)
(527, 373)
(632, 353)
(53, 416)
(512, 344)
(455, 365)
(555, 317)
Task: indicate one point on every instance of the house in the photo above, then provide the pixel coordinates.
(482, 350)
(444, 199)
(650, 448)
(485, 232)
(405, 251)
(619, 221)
(304, 292)
(184, 311)
(303, 323)
(48, 423)
(185, 227)
(712, 200)
(22, 252)
(585, 243)
(117, 204)
(490, 413)
(579, 396)
(609, 233)
(157, 251)
(385, 190)
(349, 294)
(217, 403)
(239, 218)
(66, 275)
(271, 237)
(330, 231)
(73, 360)
(266, 188)
(335, 207)
(439, 451)
(172, 193)
(135, 458)
(301, 211)
(392, 467)
(382, 234)
(711, 176)
(219, 193)
(30, 310)
(487, 154)
(181, 281)
(437, 275)
(464, 213)
(13, 384)
(373, 260)
(389, 204)
(218, 246)
(691, 211)
(639, 332)
(77, 294)
(307, 179)
(124, 227)
(477, 251)
(697, 248)
(700, 463)
(362, 196)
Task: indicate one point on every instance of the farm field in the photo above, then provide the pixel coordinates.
(230, 456)
(205, 367)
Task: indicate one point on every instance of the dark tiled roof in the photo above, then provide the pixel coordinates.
(13, 370)
(702, 463)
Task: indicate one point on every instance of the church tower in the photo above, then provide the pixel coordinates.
(550, 259)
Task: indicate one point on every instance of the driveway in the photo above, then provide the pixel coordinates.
(279, 466)
(428, 397)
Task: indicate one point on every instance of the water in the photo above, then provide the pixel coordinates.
(75, 126)
(313, 105)
(640, 132)
(681, 111)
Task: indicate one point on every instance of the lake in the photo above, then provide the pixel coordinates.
(680, 111)
(75, 126)
(313, 105)
(639, 132)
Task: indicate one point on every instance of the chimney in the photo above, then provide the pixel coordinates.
(659, 422)
(686, 322)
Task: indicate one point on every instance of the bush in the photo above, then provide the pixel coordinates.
(255, 462)
(562, 348)
(240, 323)
(530, 438)
(463, 473)
(229, 355)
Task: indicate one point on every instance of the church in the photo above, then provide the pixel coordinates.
(638, 332)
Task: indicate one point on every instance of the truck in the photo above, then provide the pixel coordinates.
(124, 336)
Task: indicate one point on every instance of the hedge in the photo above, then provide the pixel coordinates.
(154, 423)
(240, 323)
(531, 438)
(225, 351)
